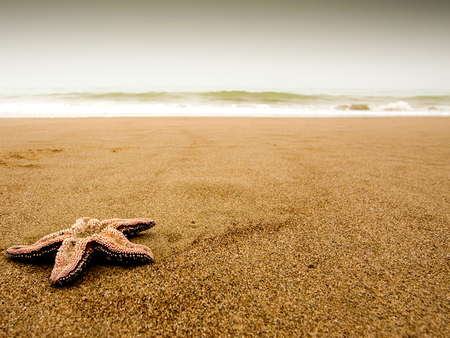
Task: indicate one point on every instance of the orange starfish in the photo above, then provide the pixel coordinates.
(75, 245)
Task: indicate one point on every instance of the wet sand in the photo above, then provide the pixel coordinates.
(265, 227)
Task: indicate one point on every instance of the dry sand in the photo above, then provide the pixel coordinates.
(265, 227)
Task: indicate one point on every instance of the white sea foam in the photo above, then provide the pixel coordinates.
(397, 106)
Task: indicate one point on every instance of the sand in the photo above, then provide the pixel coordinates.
(265, 227)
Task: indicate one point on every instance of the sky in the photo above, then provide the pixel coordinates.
(280, 45)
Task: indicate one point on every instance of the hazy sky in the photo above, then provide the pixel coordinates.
(207, 44)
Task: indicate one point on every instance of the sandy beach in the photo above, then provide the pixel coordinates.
(264, 227)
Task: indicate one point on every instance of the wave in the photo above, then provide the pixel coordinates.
(219, 96)
(239, 97)
(230, 103)
(122, 96)
(398, 106)
(263, 97)
(429, 100)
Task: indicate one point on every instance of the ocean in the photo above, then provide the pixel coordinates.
(111, 102)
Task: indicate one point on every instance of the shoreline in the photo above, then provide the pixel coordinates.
(197, 112)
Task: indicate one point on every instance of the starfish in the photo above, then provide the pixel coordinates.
(74, 246)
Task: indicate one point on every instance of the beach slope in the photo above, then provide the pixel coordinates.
(268, 227)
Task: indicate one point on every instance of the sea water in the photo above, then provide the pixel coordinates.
(110, 102)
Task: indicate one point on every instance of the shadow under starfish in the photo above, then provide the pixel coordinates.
(75, 246)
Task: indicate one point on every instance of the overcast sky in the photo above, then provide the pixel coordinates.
(207, 44)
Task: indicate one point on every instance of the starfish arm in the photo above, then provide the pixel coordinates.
(43, 248)
(117, 247)
(71, 260)
(130, 227)
(53, 236)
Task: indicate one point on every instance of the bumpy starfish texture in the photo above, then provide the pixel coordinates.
(74, 246)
